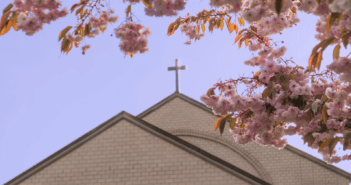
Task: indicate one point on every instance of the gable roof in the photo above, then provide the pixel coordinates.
(151, 129)
(205, 108)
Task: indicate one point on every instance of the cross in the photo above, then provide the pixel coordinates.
(176, 68)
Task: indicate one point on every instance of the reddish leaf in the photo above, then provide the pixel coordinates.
(4, 20)
(64, 32)
(325, 144)
(7, 8)
(147, 4)
(336, 51)
(333, 143)
(232, 123)
(218, 122)
(210, 92)
(128, 10)
(278, 6)
(319, 59)
(313, 61)
(170, 29)
(237, 38)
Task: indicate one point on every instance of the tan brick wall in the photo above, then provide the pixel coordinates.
(283, 166)
(222, 152)
(125, 154)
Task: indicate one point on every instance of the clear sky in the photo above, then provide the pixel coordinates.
(48, 99)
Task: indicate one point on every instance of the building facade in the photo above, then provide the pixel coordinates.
(173, 143)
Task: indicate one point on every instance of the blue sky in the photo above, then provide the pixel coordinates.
(48, 99)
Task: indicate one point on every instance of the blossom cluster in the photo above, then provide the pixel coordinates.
(342, 66)
(133, 38)
(85, 48)
(262, 127)
(267, 132)
(271, 24)
(190, 31)
(74, 38)
(234, 4)
(340, 5)
(263, 55)
(41, 12)
(258, 126)
(323, 9)
(321, 28)
(102, 21)
(165, 7)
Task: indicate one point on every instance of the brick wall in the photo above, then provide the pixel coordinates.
(283, 166)
(125, 154)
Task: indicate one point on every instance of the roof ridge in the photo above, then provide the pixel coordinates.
(151, 129)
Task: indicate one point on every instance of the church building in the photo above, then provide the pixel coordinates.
(173, 143)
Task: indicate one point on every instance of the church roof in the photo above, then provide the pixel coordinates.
(151, 129)
(204, 107)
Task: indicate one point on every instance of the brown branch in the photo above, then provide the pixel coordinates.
(86, 16)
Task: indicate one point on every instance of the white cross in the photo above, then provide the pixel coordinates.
(176, 68)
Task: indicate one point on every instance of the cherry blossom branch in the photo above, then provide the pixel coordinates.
(86, 16)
